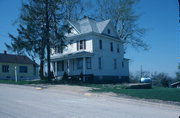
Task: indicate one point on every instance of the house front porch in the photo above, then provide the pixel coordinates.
(74, 64)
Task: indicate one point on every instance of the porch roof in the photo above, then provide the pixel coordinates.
(71, 55)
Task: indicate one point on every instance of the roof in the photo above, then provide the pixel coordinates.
(87, 25)
(71, 55)
(12, 58)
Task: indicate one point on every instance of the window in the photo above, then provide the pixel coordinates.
(100, 44)
(61, 50)
(5, 68)
(99, 63)
(23, 69)
(88, 62)
(79, 63)
(34, 70)
(81, 44)
(111, 47)
(117, 48)
(84, 44)
(122, 64)
(60, 66)
(58, 49)
(109, 31)
(115, 64)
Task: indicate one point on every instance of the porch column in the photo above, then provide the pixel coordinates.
(52, 66)
(68, 66)
(84, 67)
(55, 69)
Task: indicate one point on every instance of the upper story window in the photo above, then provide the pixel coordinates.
(109, 31)
(117, 48)
(88, 62)
(100, 44)
(111, 47)
(23, 69)
(58, 49)
(81, 45)
(5, 68)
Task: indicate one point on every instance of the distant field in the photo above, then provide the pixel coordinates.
(166, 94)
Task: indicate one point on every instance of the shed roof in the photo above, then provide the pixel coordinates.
(19, 59)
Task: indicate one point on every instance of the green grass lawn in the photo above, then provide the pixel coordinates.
(166, 94)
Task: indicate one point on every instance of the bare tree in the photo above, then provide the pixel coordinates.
(74, 9)
(161, 79)
(124, 18)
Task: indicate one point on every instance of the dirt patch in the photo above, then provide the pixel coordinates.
(77, 89)
(86, 91)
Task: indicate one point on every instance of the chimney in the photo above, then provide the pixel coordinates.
(5, 52)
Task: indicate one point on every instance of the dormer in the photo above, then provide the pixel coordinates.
(110, 30)
(75, 28)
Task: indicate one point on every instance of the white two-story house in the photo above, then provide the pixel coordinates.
(94, 51)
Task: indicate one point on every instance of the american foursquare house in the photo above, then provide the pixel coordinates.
(12, 66)
(94, 51)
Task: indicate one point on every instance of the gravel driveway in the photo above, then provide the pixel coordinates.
(63, 101)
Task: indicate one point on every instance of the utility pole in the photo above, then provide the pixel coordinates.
(141, 71)
(15, 69)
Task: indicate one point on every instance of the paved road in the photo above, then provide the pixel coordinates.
(30, 102)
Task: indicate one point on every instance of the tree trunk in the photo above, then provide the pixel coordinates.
(41, 70)
(47, 40)
(48, 63)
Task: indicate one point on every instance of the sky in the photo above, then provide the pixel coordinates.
(159, 17)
